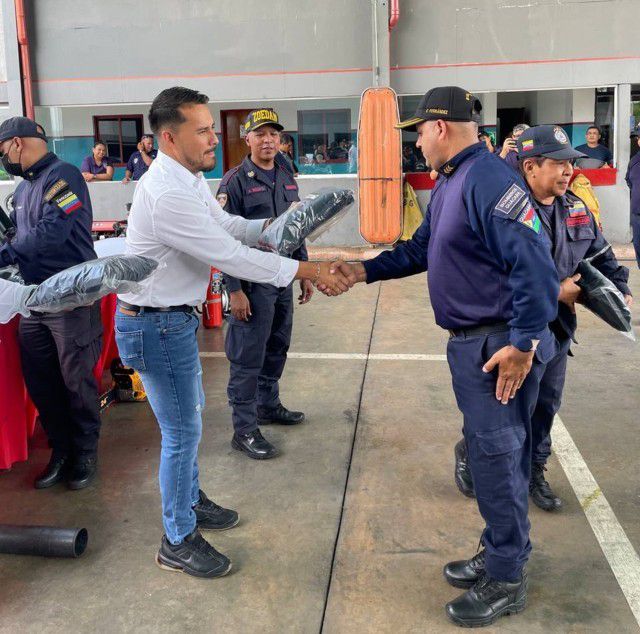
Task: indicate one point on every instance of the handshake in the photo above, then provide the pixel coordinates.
(332, 278)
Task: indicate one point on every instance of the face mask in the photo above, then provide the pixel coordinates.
(15, 169)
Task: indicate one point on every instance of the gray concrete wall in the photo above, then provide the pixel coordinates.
(127, 51)
(498, 45)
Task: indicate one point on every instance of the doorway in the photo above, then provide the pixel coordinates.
(507, 118)
(234, 147)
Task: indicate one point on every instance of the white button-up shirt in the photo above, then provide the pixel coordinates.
(175, 220)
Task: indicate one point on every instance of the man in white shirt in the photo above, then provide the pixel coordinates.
(176, 220)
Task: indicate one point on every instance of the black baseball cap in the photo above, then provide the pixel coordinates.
(449, 103)
(265, 116)
(549, 141)
(21, 127)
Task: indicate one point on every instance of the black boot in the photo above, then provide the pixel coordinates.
(465, 573)
(487, 601)
(280, 415)
(194, 556)
(540, 491)
(254, 445)
(83, 473)
(212, 517)
(56, 471)
(462, 474)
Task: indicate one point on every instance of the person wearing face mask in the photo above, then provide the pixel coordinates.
(53, 216)
(259, 334)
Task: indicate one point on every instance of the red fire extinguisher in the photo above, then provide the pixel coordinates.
(212, 308)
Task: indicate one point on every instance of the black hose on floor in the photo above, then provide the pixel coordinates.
(45, 541)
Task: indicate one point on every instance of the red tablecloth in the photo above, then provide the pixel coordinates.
(17, 413)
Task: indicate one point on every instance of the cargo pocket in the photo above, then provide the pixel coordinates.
(501, 441)
(497, 462)
(130, 346)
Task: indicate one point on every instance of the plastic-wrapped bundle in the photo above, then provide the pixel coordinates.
(11, 274)
(601, 297)
(13, 300)
(308, 218)
(84, 283)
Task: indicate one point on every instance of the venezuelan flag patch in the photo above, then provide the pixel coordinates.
(529, 218)
(68, 202)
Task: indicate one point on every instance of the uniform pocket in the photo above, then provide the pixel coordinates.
(501, 441)
(131, 348)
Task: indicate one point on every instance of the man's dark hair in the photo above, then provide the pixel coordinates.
(594, 127)
(538, 160)
(165, 109)
(99, 142)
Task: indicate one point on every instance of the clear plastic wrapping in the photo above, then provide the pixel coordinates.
(13, 300)
(601, 297)
(308, 218)
(84, 283)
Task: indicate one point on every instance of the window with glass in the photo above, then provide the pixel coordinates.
(121, 134)
(326, 143)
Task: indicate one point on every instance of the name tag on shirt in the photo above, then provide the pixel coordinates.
(255, 190)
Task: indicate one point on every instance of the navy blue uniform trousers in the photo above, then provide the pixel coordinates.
(635, 229)
(257, 351)
(548, 404)
(498, 439)
(58, 355)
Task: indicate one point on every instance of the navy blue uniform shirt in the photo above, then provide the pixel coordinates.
(137, 166)
(53, 216)
(248, 191)
(575, 236)
(600, 152)
(487, 256)
(633, 181)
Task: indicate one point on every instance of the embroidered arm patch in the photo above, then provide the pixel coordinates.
(58, 187)
(67, 201)
(512, 202)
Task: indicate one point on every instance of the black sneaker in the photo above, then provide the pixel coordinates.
(210, 516)
(540, 491)
(194, 556)
(254, 445)
(278, 415)
(462, 473)
(487, 601)
(465, 573)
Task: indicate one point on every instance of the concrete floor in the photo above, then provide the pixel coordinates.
(348, 530)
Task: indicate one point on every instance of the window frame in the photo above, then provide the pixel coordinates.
(325, 134)
(139, 121)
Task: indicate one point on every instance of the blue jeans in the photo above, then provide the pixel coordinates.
(162, 348)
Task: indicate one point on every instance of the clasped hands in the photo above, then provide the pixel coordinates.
(335, 278)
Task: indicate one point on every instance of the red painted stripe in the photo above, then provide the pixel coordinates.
(599, 178)
(322, 71)
(420, 180)
(565, 60)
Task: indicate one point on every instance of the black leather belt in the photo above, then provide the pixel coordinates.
(476, 331)
(183, 308)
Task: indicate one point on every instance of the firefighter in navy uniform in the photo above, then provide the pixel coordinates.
(545, 158)
(259, 331)
(493, 285)
(53, 216)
